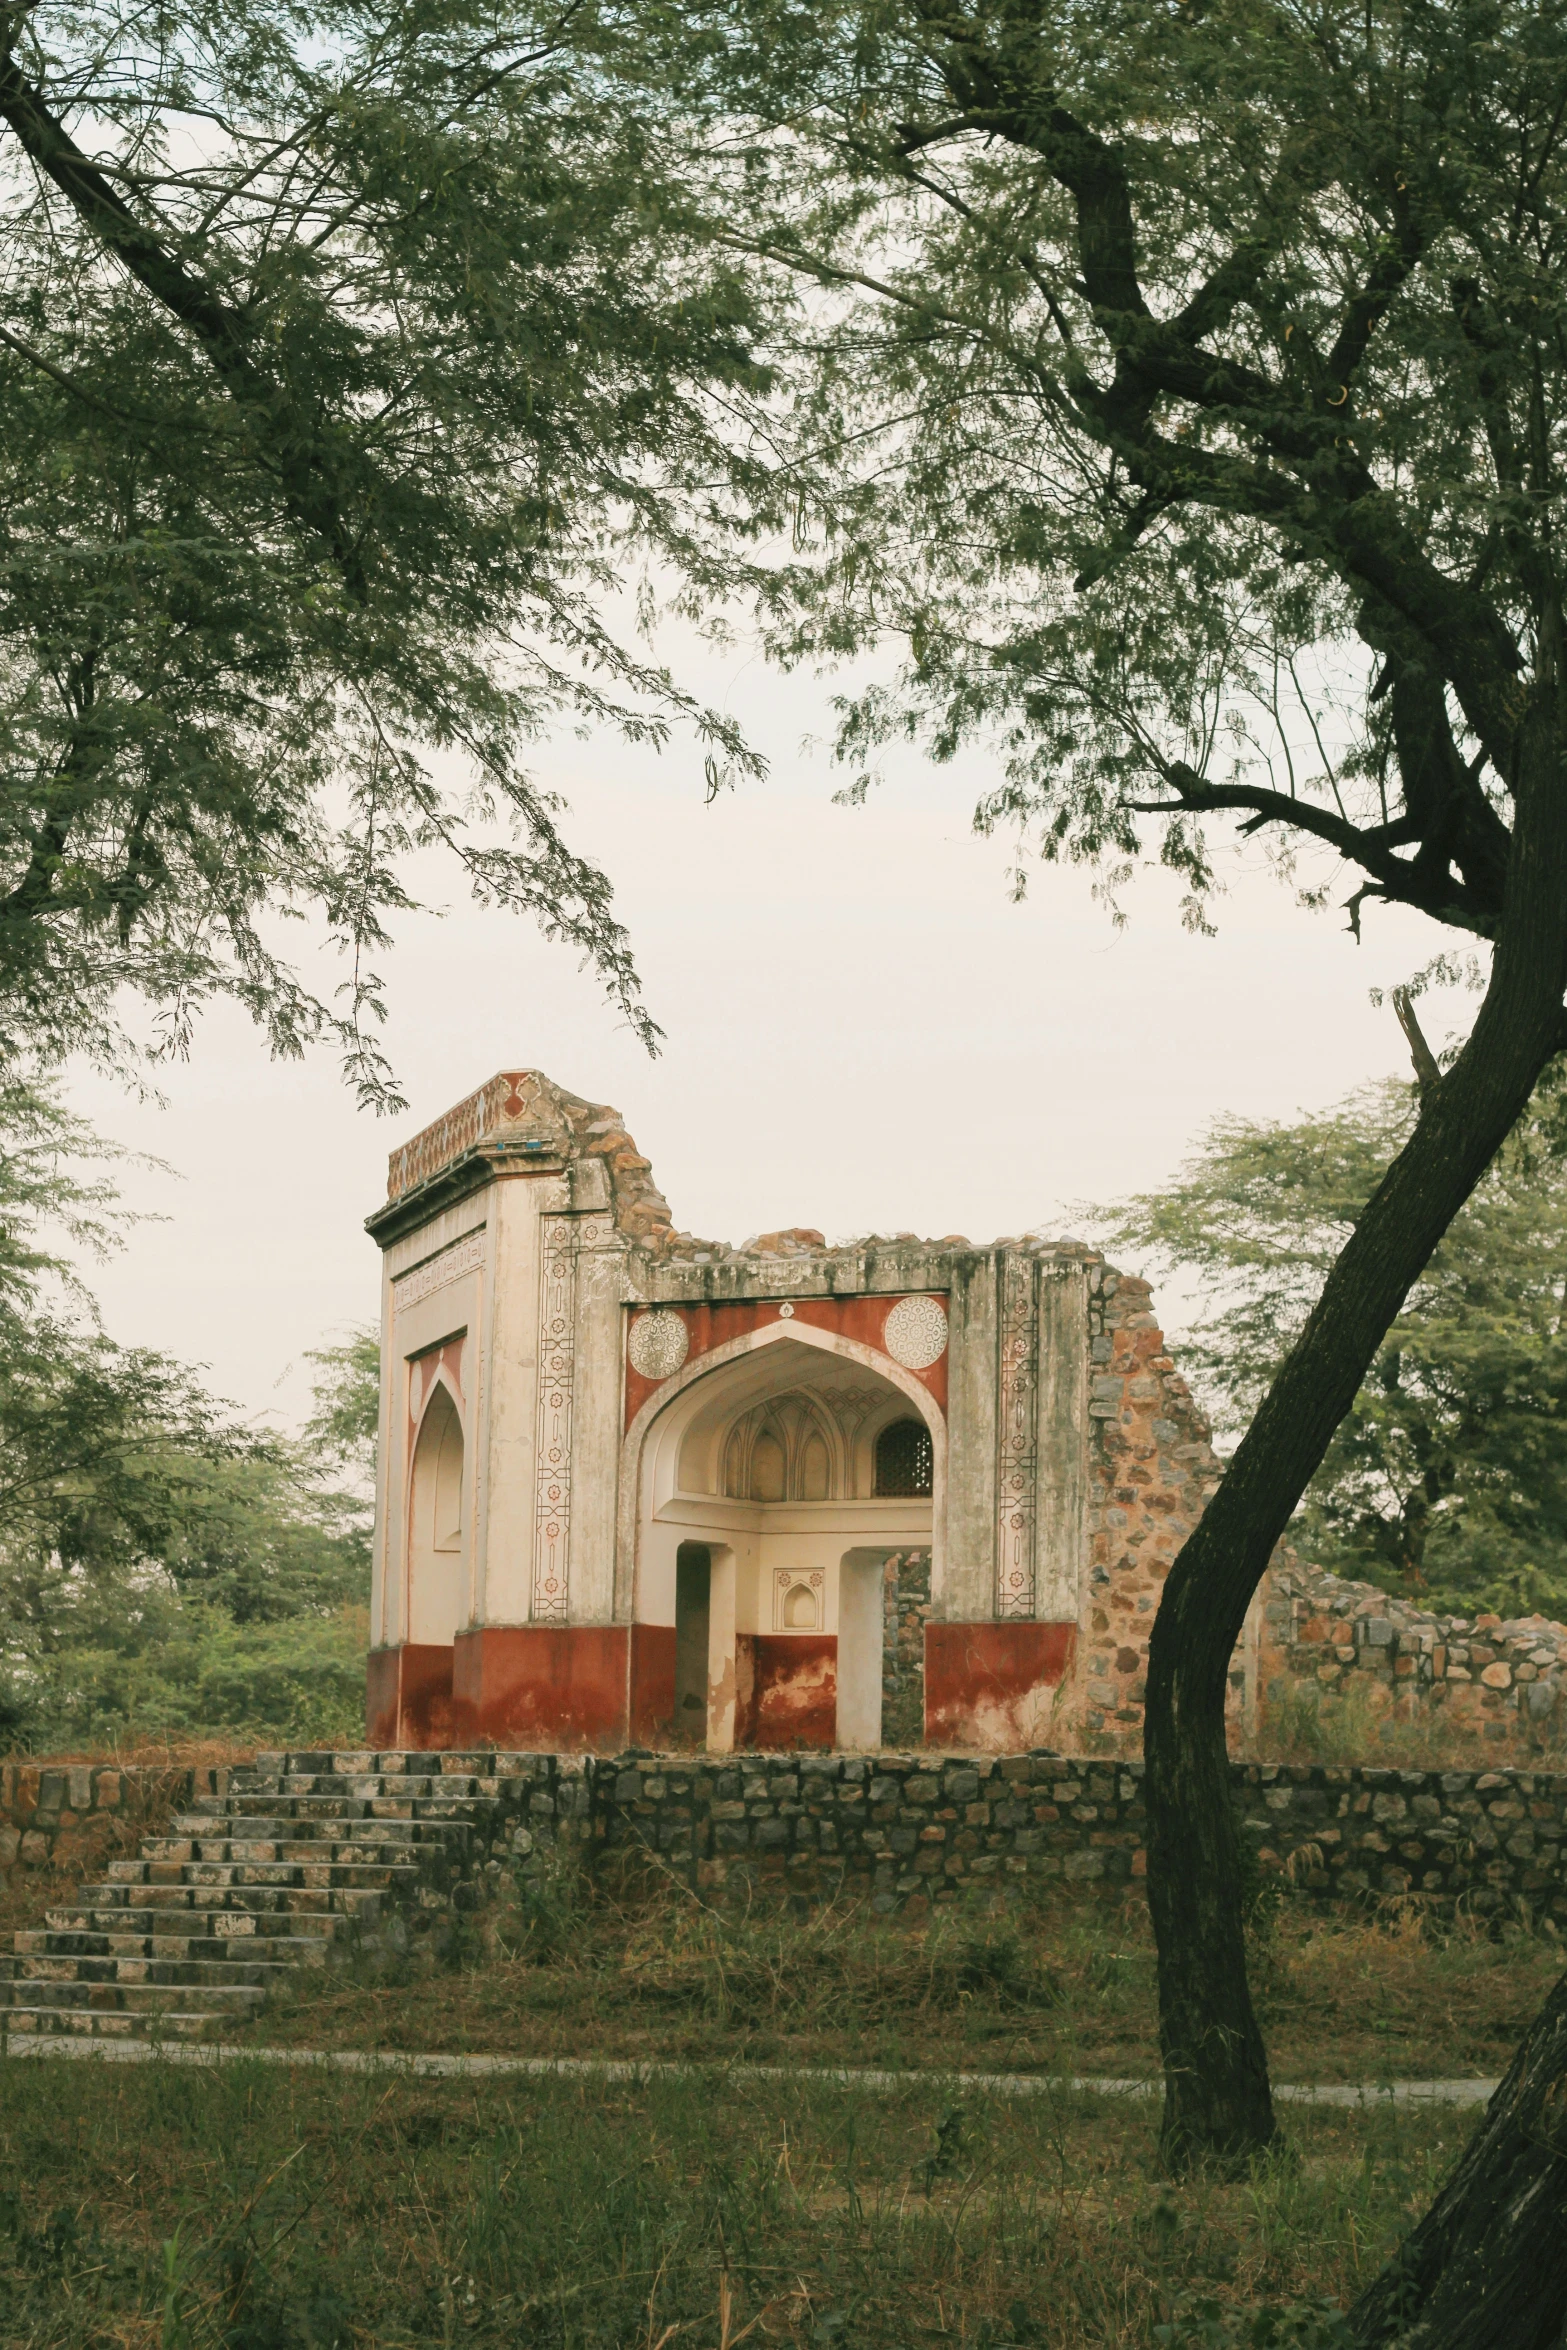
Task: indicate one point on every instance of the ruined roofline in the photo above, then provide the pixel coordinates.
(519, 1113)
(522, 1114)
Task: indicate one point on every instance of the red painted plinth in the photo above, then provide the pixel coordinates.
(991, 1686)
(653, 1685)
(408, 1697)
(551, 1688)
(786, 1689)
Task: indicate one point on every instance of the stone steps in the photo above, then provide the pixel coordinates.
(22, 1971)
(254, 1845)
(228, 2001)
(314, 1908)
(83, 2023)
(273, 1880)
(97, 1941)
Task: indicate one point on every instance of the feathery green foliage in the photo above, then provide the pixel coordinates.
(163, 1566)
(351, 362)
(1448, 1479)
(1181, 391)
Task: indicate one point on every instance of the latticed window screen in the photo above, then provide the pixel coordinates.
(904, 1459)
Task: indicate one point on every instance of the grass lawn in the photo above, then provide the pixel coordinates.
(252, 2207)
(657, 1974)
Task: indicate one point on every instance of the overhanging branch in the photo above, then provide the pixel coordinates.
(224, 333)
(1440, 894)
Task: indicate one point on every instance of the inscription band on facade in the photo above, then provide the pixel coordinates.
(1018, 1441)
(463, 1256)
(557, 1375)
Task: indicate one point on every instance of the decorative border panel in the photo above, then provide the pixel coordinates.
(501, 1103)
(557, 1379)
(562, 1242)
(1017, 1421)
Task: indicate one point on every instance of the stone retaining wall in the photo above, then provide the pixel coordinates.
(909, 1831)
(905, 1832)
(72, 1816)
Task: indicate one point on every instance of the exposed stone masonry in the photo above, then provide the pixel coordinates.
(906, 1612)
(78, 1815)
(285, 1866)
(1477, 1680)
(309, 1855)
(909, 1832)
(1152, 1468)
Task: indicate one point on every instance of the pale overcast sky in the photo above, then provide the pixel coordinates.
(863, 1033)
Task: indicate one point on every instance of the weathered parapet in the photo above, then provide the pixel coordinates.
(1480, 1682)
(76, 1815)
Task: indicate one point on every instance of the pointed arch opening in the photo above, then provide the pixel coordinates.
(770, 1458)
(438, 1543)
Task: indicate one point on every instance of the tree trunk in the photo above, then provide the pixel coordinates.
(1486, 2269)
(1217, 2101)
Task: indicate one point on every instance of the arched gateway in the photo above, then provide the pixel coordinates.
(642, 1489)
(759, 1533)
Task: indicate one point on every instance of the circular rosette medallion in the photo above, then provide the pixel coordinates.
(915, 1333)
(658, 1345)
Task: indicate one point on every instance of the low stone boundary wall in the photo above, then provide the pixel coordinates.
(907, 1832)
(904, 1832)
(1484, 1688)
(73, 1816)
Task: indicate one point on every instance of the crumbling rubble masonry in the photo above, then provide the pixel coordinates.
(1337, 1651)
(638, 1488)
(913, 1832)
(72, 1816)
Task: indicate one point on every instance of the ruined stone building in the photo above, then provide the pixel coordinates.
(639, 1489)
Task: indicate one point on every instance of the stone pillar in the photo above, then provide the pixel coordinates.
(597, 1398)
(1061, 1528)
(1001, 1644)
(966, 1590)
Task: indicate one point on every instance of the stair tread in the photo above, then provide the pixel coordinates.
(107, 2024)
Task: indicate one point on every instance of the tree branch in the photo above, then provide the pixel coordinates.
(224, 333)
(1468, 635)
(1428, 1075)
(1434, 893)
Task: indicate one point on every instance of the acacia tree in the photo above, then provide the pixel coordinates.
(1184, 386)
(1447, 1478)
(349, 360)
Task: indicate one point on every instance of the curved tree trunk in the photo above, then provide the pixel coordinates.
(1486, 2269)
(1217, 2102)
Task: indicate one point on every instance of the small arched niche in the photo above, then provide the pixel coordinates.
(437, 1528)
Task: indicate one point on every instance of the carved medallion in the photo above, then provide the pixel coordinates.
(915, 1334)
(658, 1345)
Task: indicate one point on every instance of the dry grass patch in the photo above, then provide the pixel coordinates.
(579, 1969)
(246, 2207)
